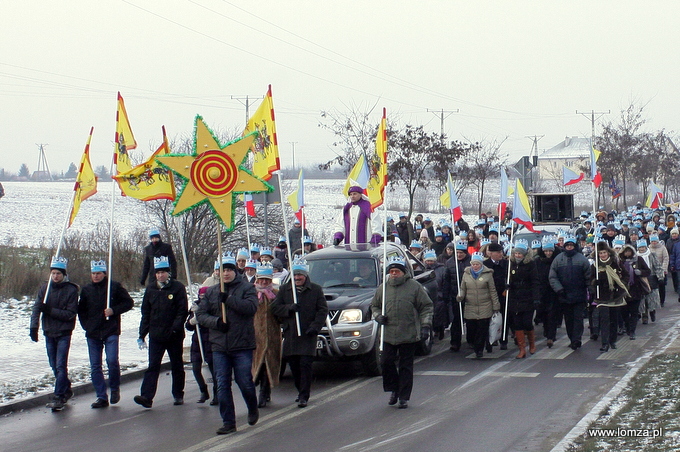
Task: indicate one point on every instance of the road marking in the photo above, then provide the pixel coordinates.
(623, 347)
(121, 420)
(220, 443)
(513, 374)
(443, 373)
(581, 375)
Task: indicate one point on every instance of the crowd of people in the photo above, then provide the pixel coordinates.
(612, 269)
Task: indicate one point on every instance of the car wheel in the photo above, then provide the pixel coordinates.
(371, 361)
(424, 346)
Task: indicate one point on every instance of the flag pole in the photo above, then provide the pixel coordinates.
(303, 223)
(110, 264)
(290, 257)
(384, 283)
(245, 210)
(219, 258)
(460, 305)
(507, 282)
(181, 232)
(61, 239)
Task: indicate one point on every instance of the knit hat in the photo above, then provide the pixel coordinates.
(675, 231)
(634, 231)
(154, 233)
(202, 290)
(276, 263)
(355, 189)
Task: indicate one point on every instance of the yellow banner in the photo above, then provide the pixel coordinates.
(125, 140)
(86, 181)
(265, 147)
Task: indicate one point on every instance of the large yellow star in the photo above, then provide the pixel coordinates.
(214, 173)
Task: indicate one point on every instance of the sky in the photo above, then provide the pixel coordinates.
(500, 70)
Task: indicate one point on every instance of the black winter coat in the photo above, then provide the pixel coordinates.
(157, 250)
(93, 303)
(63, 299)
(164, 312)
(543, 264)
(450, 289)
(313, 312)
(500, 275)
(570, 273)
(524, 285)
(240, 301)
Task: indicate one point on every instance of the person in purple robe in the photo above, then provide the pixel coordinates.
(358, 223)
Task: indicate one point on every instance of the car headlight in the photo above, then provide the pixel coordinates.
(350, 316)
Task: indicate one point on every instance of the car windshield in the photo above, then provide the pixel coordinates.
(350, 272)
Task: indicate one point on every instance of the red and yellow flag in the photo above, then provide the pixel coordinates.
(125, 140)
(265, 147)
(378, 166)
(150, 180)
(86, 181)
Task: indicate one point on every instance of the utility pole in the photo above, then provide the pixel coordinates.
(43, 167)
(440, 114)
(246, 101)
(293, 143)
(534, 159)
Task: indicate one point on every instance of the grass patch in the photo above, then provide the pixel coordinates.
(648, 406)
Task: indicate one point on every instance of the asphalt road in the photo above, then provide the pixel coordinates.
(458, 404)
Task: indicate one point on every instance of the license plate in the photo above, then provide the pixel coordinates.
(319, 344)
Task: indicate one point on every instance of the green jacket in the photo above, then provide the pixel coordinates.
(480, 295)
(408, 308)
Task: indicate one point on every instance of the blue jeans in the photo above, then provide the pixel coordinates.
(241, 363)
(94, 348)
(57, 354)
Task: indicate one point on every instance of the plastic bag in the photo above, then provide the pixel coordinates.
(495, 327)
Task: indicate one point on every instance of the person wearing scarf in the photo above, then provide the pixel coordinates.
(358, 224)
(637, 269)
(650, 302)
(609, 292)
(523, 297)
(478, 290)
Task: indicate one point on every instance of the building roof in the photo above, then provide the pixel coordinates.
(570, 148)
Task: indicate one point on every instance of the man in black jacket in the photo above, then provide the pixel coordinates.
(156, 249)
(164, 310)
(228, 311)
(299, 347)
(58, 311)
(499, 265)
(101, 322)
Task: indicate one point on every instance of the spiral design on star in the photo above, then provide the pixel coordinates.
(214, 174)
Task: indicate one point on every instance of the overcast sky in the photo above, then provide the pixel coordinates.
(511, 69)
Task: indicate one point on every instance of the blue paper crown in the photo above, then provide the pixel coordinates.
(59, 262)
(282, 239)
(653, 238)
(484, 241)
(477, 256)
(153, 232)
(265, 270)
(299, 265)
(97, 266)
(461, 245)
(416, 244)
(430, 255)
(161, 262)
(254, 248)
(463, 234)
(266, 251)
(217, 265)
(570, 239)
(548, 244)
(641, 242)
(242, 253)
(395, 260)
(536, 244)
(306, 240)
(251, 263)
(522, 244)
(228, 259)
(503, 238)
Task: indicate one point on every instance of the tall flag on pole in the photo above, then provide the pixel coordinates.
(265, 147)
(503, 200)
(375, 190)
(450, 200)
(521, 211)
(86, 181)
(149, 180)
(616, 191)
(655, 196)
(125, 140)
(594, 172)
(297, 198)
(569, 177)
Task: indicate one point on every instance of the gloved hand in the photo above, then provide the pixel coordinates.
(425, 332)
(142, 282)
(223, 327)
(194, 307)
(381, 319)
(193, 321)
(537, 303)
(637, 271)
(141, 343)
(33, 333)
(294, 307)
(311, 332)
(337, 238)
(45, 308)
(375, 239)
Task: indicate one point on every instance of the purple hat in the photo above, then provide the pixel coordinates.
(355, 188)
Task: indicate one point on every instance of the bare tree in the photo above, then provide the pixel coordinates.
(482, 163)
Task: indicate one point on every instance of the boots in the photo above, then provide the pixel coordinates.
(204, 396)
(521, 343)
(265, 393)
(531, 335)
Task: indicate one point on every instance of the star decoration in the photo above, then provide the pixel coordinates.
(214, 173)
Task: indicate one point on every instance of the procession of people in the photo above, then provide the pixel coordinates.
(248, 324)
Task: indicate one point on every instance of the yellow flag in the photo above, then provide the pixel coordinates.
(375, 189)
(86, 181)
(265, 147)
(125, 140)
(150, 180)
